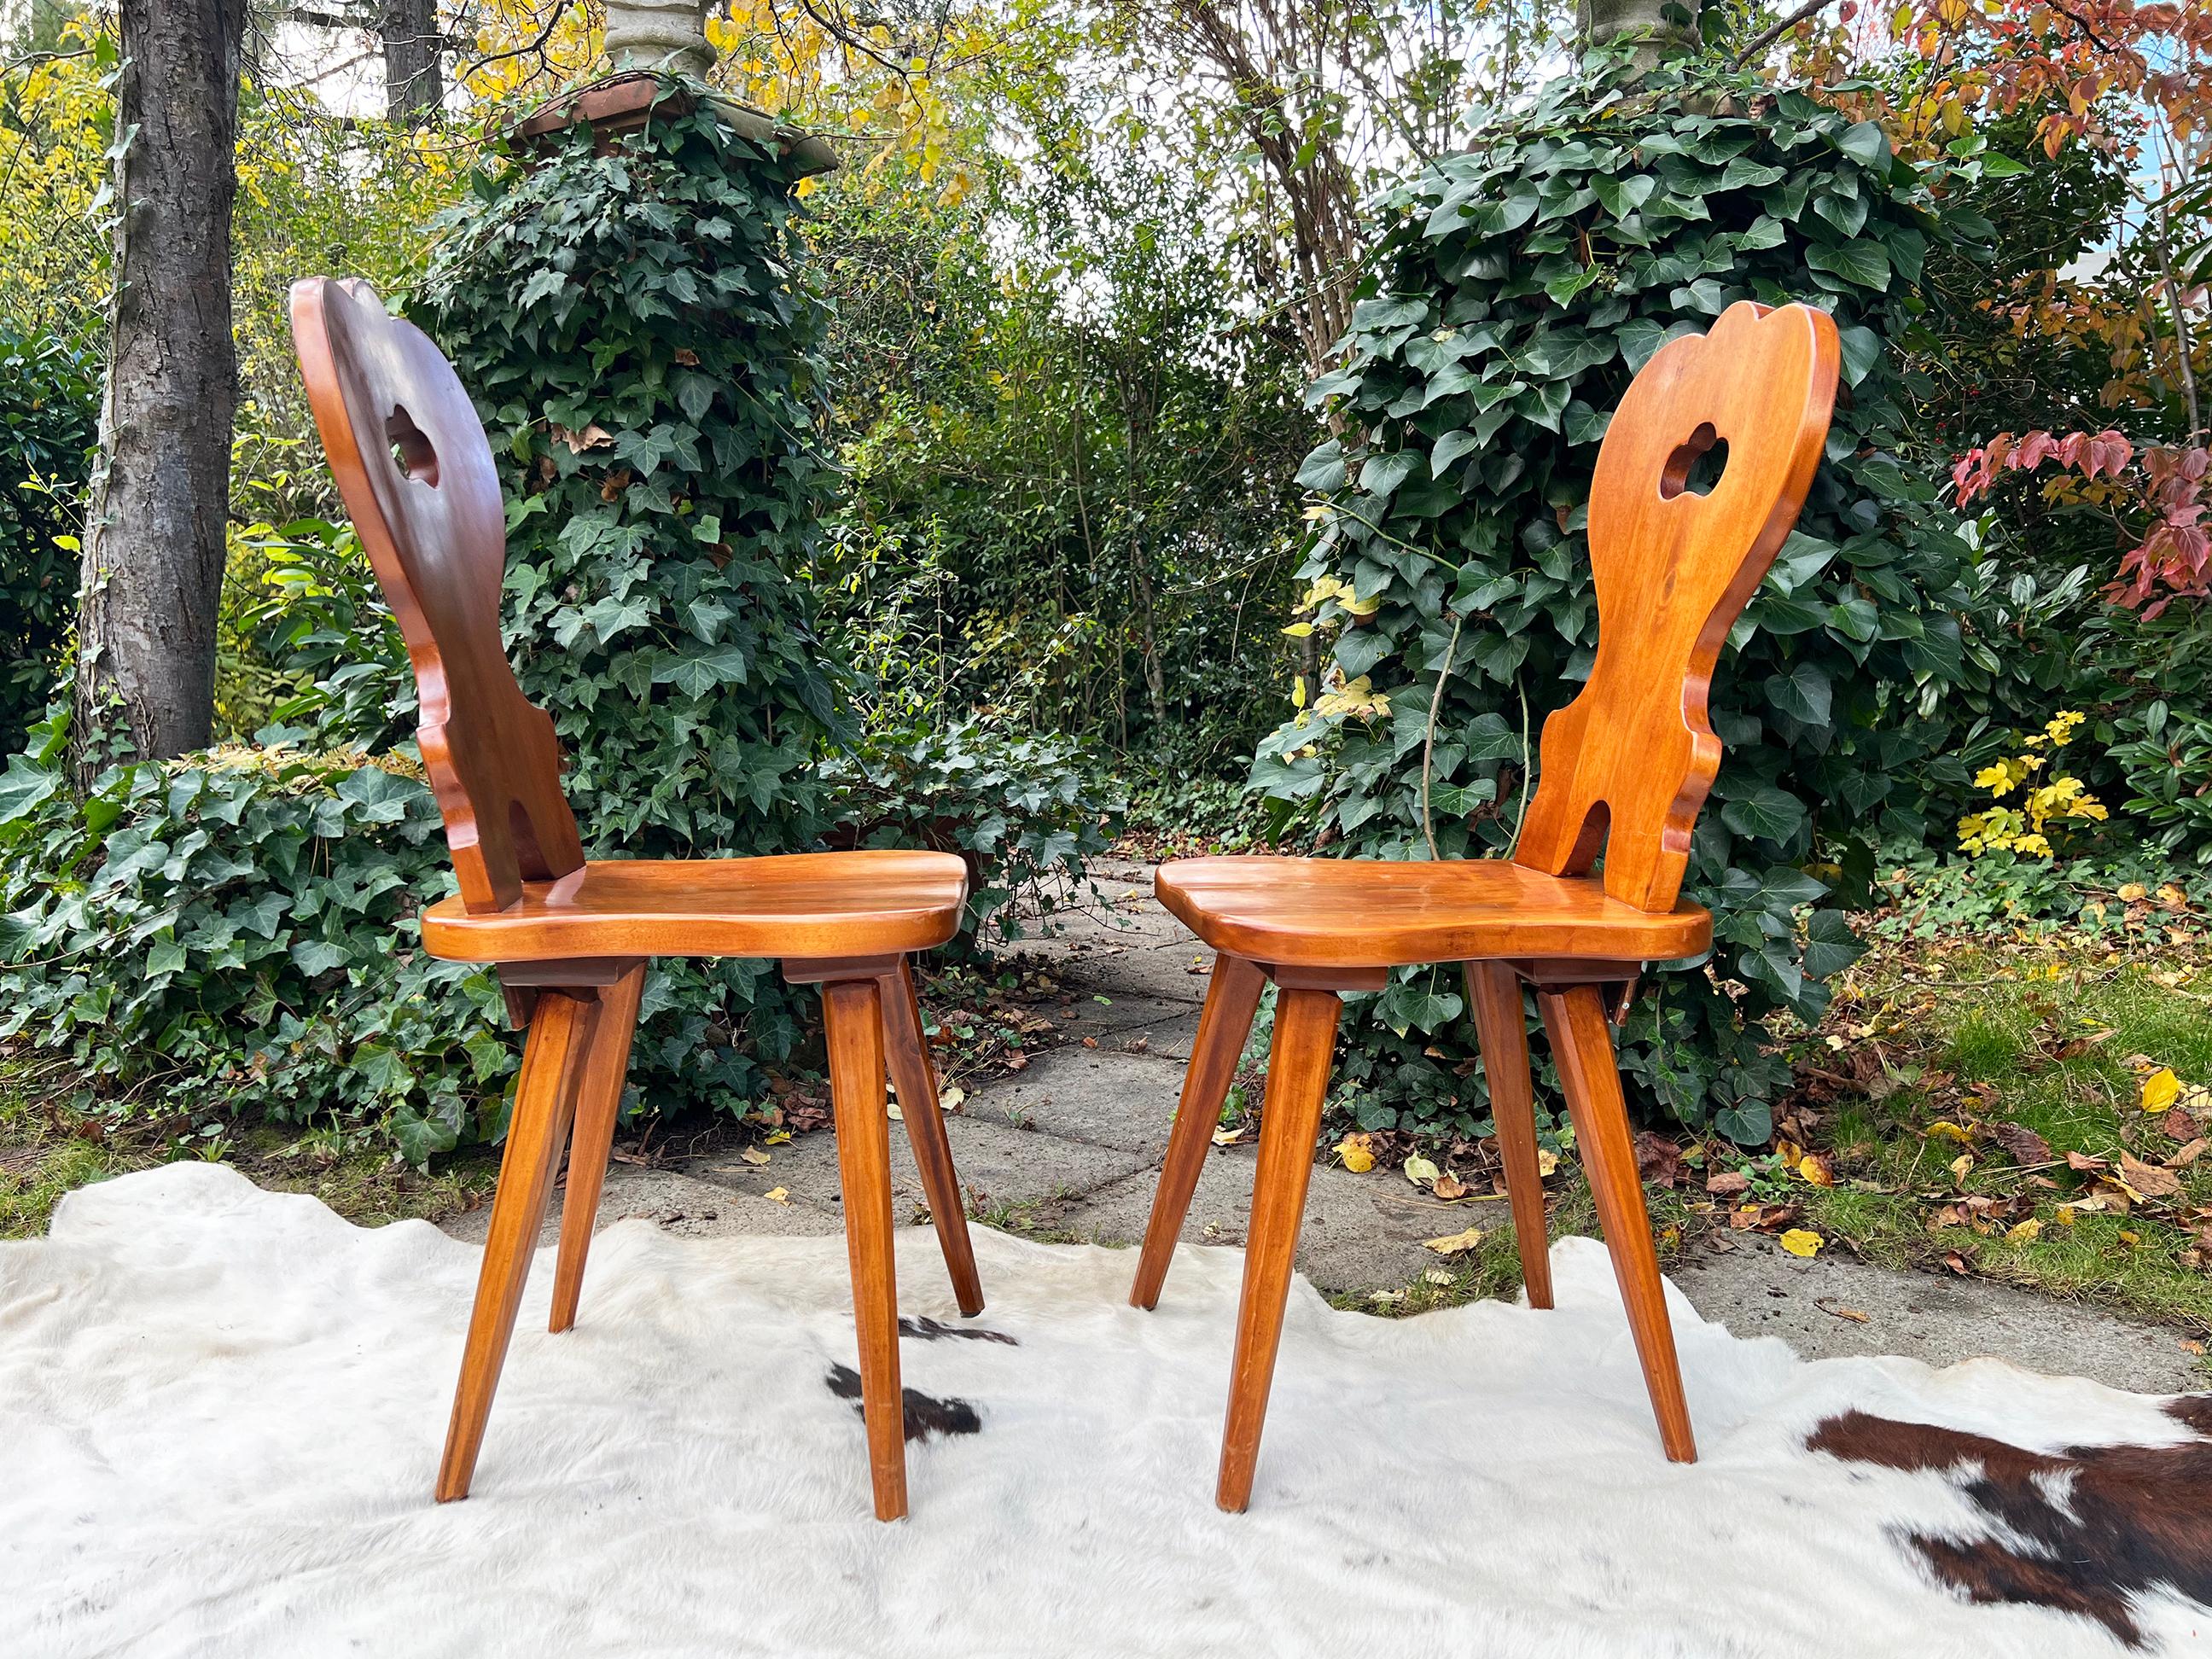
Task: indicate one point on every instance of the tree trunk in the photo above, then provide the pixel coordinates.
(414, 69)
(1598, 22)
(160, 495)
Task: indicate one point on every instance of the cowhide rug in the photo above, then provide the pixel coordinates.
(220, 1409)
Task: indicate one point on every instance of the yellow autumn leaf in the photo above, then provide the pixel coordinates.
(2160, 1088)
(1798, 1242)
(949, 1100)
(2025, 1232)
(1815, 1170)
(891, 1109)
(1948, 1130)
(1454, 1243)
(754, 1156)
(1548, 1161)
(1228, 1137)
(1420, 1171)
(1961, 1165)
(1358, 1153)
(1299, 630)
(777, 1195)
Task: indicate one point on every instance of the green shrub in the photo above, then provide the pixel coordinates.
(1018, 807)
(1517, 288)
(49, 422)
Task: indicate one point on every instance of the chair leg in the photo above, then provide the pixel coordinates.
(915, 1073)
(598, 1101)
(852, 1009)
(1582, 1042)
(1232, 996)
(1297, 1082)
(1493, 991)
(561, 1028)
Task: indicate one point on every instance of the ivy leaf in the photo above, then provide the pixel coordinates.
(1864, 262)
(1765, 231)
(1449, 448)
(1866, 143)
(24, 786)
(1862, 351)
(1767, 812)
(697, 672)
(1322, 469)
(317, 957)
(1621, 197)
(1803, 694)
(1382, 474)
(1830, 947)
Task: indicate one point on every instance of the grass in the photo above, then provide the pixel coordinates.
(46, 1151)
(2053, 1035)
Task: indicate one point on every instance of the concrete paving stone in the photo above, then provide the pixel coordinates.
(1757, 1290)
(1000, 1166)
(1086, 1017)
(676, 1201)
(1103, 1097)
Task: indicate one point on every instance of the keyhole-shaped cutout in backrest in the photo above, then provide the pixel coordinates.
(1696, 466)
(412, 451)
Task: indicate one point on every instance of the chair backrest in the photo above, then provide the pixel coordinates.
(1628, 762)
(411, 461)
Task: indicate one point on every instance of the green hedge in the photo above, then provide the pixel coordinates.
(1518, 287)
(49, 423)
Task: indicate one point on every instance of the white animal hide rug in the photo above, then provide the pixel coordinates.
(221, 1411)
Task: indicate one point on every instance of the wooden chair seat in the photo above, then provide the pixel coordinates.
(820, 905)
(1373, 913)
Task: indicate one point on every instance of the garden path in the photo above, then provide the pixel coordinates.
(1068, 1148)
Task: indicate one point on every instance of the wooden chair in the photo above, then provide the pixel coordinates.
(570, 937)
(1626, 767)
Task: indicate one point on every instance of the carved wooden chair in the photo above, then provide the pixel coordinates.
(570, 937)
(1626, 767)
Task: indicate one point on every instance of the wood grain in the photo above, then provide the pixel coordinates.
(1582, 1044)
(1297, 1079)
(598, 1103)
(1233, 995)
(1628, 762)
(1493, 995)
(561, 1029)
(915, 1073)
(852, 1009)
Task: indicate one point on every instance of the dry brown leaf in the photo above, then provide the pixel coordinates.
(754, 1156)
(2023, 1143)
(2179, 1125)
(2189, 1154)
(2148, 1180)
(1727, 1183)
(1449, 1186)
(2086, 1163)
(1853, 1315)
(1455, 1243)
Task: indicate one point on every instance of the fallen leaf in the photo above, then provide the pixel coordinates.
(949, 1099)
(1449, 1186)
(777, 1195)
(1961, 1166)
(2024, 1233)
(594, 436)
(1800, 1243)
(1420, 1171)
(2179, 1125)
(754, 1156)
(1228, 1137)
(1454, 1243)
(2160, 1088)
(2189, 1345)
(1358, 1153)
(686, 356)
(2133, 892)
(1138, 1045)
(1548, 1161)
(1946, 1129)
(1658, 1160)
(2025, 1146)
(1956, 1263)
(1815, 1169)
(2189, 1154)
(2148, 1180)
(2086, 1163)
(1091, 1042)
(1437, 1276)
(1854, 1315)
(1727, 1183)
(891, 1110)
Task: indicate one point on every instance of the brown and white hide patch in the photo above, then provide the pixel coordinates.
(2087, 1530)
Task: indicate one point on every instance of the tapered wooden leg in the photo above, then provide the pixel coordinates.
(560, 1027)
(598, 1101)
(1297, 1082)
(915, 1073)
(1493, 991)
(1232, 996)
(1582, 1042)
(853, 1010)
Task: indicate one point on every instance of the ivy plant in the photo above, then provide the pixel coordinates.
(49, 421)
(1517, 288)
(642, 334)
